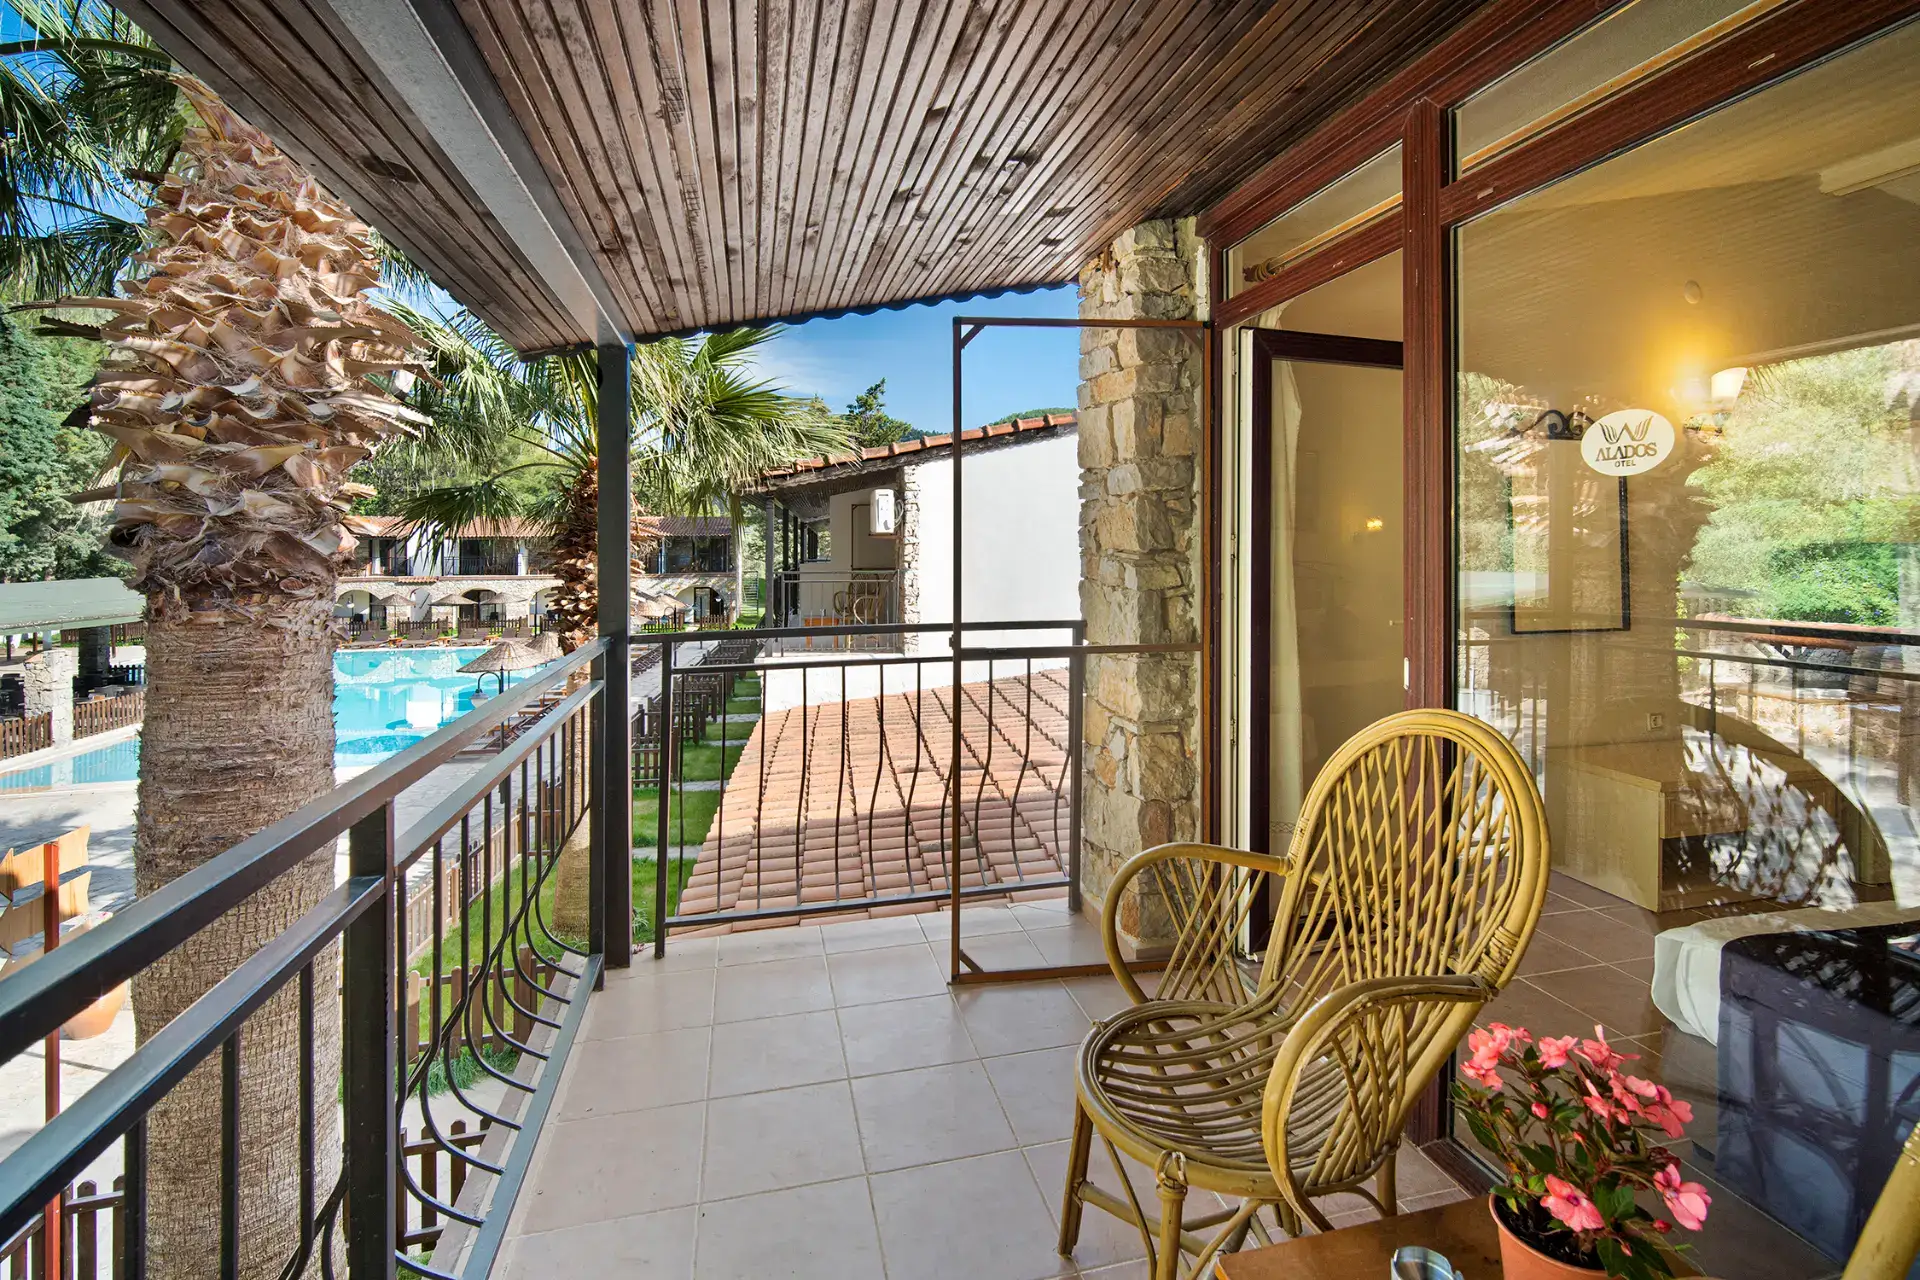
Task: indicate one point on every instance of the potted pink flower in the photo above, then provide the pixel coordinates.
(1581, 1140)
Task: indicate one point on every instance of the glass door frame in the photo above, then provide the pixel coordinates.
(1270, 345)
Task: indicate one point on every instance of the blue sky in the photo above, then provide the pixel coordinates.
(1007, 370)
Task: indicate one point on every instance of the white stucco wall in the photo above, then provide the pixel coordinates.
(1022, 538)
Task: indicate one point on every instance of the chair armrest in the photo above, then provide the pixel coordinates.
(1207, 854)
(1352, 1066)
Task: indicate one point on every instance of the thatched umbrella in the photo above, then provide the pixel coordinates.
(543, 648)
(502, 657)
(652, 606)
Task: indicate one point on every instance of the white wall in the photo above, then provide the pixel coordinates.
(1022, 538)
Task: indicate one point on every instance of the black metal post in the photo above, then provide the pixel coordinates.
(954, 957)
(613, 851)
(370, 1059)
(1076, 759)
(669, 744)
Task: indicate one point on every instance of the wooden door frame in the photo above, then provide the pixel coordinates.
(1270, 345)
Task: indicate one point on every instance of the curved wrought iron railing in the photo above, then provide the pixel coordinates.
(459, 994)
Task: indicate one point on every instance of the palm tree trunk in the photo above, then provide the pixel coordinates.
(238, 734)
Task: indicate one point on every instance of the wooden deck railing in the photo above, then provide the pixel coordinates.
(97, 715)
(22, 734)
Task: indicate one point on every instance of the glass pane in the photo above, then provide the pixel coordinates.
(1336, 604)
(1632, 42)
(1689, 588)
(1351, 201)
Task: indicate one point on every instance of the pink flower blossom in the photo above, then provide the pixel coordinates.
(1540, 1110)
(1483, 1073)
(1599, 1105)
(1488, 1048)
(1686, 1201)
(1571, 1207)
(1553, 1050)
(1601, 1054)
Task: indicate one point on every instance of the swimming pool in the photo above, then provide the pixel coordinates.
(384, 701)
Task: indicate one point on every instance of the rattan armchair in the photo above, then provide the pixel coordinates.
(1277, 1075)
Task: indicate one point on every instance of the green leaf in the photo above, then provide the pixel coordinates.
(1545, 1159)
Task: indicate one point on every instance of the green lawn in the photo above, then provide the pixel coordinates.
(688, 818)
(643, 880)
(702, 763)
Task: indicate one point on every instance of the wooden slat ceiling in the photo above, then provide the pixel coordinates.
(721, 162)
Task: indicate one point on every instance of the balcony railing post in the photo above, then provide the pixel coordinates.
(370, 1101)
(669, 731)
(613, 763)
(1076, 755)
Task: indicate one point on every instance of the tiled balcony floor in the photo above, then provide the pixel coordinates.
(817, 1102)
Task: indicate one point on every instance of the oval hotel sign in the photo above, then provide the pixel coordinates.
(1627, 442)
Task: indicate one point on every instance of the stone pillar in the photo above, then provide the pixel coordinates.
(1140, 571)
(48, 677)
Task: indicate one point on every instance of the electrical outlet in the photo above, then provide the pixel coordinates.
(1656, 721)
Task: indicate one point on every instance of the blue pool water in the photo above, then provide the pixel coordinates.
(384, 701)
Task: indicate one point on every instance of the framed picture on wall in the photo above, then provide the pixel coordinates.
(1571, 569)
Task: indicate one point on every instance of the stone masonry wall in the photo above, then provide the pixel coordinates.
(1140, 545)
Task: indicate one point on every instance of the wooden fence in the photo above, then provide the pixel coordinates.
(97, 715)
(22, 734)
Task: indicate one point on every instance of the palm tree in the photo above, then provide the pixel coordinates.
(703, 427)
(244, 375)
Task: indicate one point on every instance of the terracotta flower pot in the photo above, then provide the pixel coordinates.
(1521, 1261)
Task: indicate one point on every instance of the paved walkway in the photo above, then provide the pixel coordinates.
(816, 1103)
(847, 801)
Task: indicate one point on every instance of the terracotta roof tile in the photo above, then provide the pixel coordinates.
(922, 444)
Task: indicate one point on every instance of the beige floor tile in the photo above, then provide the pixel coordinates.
(929, 1115)
(894, 973)
(1074, 943)
(867, 935)
(775, 1053)
(1036, 1092)
(1100, 997)
(644, 1247)
(682, 954)
(1048, 914)
(768, 990)
(977, 1219)
(769, 1141)
(1000, 951)
(762, 945)
(1021, 1016)
(1104, 1239)
(820, 1232)
(983, 919)
(1416, 1176)
(903, 1034)
(632, 1006)
(634, 1073)
(615, 1166)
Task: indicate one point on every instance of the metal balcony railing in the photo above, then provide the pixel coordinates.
(458, 999)
(790, 787)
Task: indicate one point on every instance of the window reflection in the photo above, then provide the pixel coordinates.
(1710, 655)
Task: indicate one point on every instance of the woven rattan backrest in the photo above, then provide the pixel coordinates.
(1419, 867)
(1204, 897)
(1421, 851)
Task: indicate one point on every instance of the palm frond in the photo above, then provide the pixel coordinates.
(439, 513)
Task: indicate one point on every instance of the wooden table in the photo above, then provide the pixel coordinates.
(1463, 1231)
